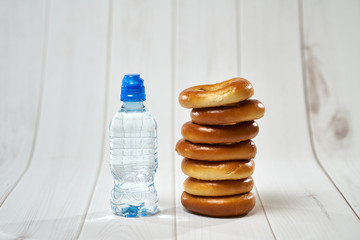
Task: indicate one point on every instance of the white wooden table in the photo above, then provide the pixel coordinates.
(61, 65)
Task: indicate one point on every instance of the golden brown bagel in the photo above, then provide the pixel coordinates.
(218, 134)
(219, 170)
(228, 206)
(239, 112)
(212, 95)
(236, 151)
(218, 188)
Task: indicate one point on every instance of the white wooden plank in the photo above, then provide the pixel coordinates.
(51, 199)
(206, 52)
(300, 201)
(21, 45)
(140, 43)
(332, 59)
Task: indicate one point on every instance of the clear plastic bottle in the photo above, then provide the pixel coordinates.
(133, 153)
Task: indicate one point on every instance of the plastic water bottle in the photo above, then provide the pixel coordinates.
(133, 153)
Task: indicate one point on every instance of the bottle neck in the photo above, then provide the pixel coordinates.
(132, 105)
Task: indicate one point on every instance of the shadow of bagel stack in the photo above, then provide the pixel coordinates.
(217, 148)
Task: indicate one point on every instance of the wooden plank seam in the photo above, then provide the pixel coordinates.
(238, 51)
(41, 87)
(307, 105)
(105, 113)
(174, 5)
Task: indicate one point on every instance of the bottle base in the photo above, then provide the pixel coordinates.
(132, 211)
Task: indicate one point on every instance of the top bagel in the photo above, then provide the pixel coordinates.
(213, 95)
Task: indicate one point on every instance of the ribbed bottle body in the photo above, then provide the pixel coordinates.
(133, 161)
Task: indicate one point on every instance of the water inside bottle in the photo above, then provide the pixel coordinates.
(133, 161)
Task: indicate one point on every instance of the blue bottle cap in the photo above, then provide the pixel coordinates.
(132, 88)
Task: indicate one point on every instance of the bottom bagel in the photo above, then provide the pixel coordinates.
(228, 206)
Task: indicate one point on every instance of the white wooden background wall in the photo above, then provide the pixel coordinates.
(61, 65)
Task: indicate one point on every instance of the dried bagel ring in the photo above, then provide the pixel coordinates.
(218, 188)
(228, 206)
(221, 170)
(207, 152)
(211, 95)
(247, 110)
(219, 134)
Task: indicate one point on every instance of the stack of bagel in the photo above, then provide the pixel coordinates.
(217, 147)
